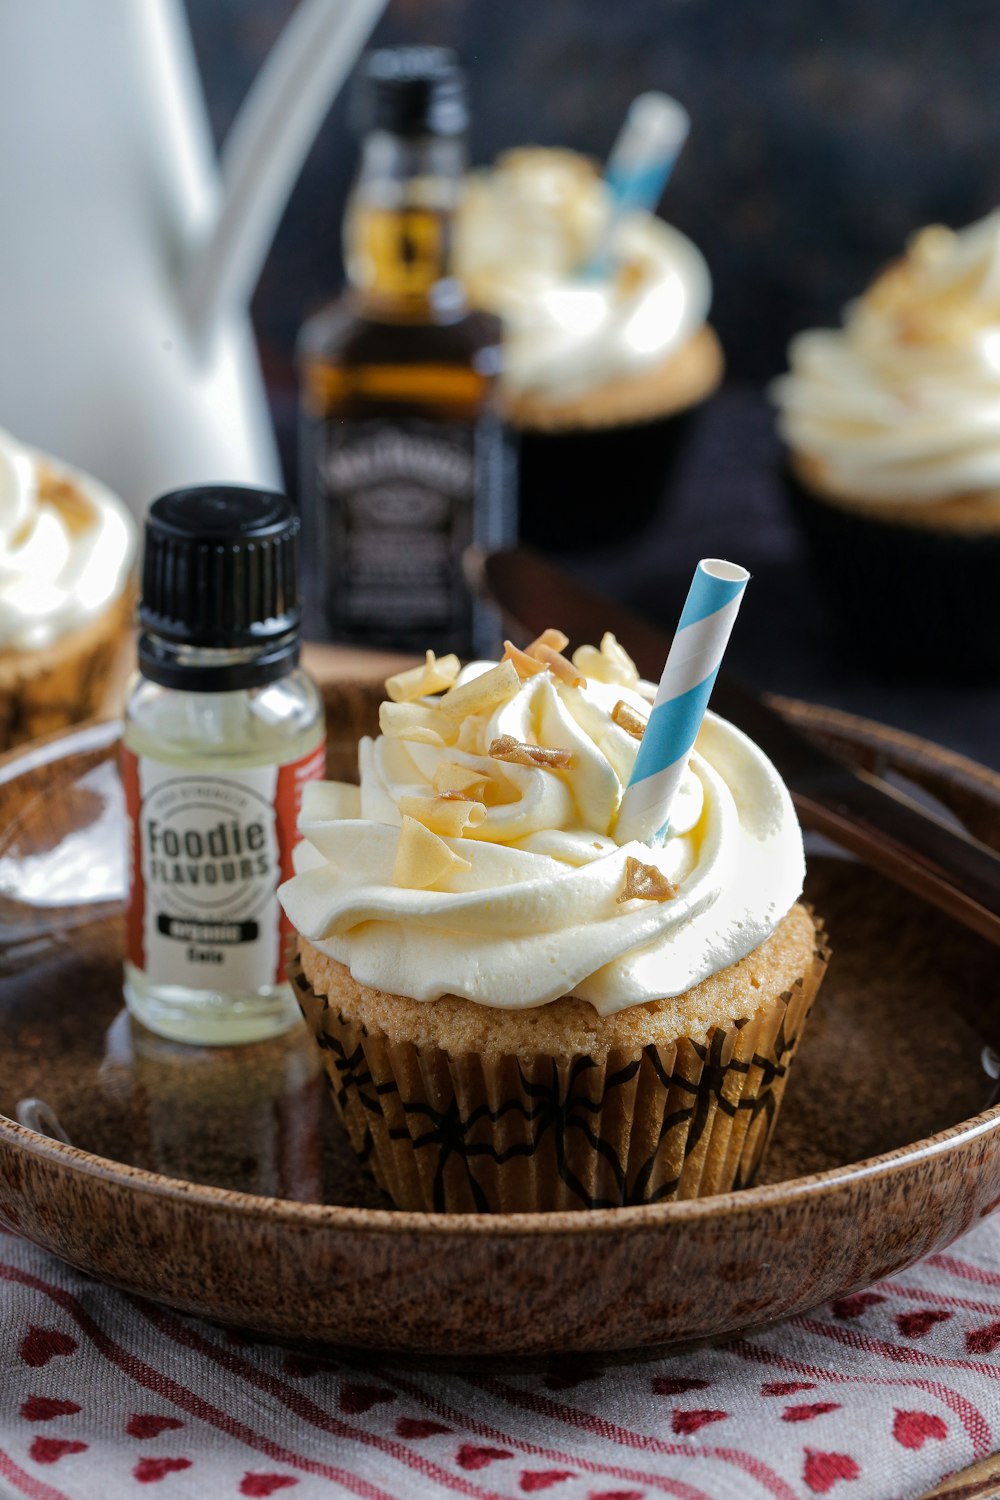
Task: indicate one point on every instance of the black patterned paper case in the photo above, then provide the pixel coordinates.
(66, 682)
(906, 596)
(565, 478)
(471, 1134)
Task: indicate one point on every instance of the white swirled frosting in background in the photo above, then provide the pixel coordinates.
(532, 912)
(526, 229)
(60, 564)
(903, 402)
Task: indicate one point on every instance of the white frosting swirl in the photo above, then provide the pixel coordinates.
(537, 913)
(60, 565)
(526, 229)
(903, 403)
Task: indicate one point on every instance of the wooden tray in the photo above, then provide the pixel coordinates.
(218, 1181)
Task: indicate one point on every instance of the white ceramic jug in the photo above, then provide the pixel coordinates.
(126, 257)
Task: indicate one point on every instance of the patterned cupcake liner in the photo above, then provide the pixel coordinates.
(904, 598)
(62, 684)
(467, 1134)
(564, 478)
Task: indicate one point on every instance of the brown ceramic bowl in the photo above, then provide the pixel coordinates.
(218, 1181)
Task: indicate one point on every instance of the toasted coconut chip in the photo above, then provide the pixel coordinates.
(450, 778)
(559, 666)
(436, 674)
(483, 693)
(422, 858)
(589, 661)
(524, 665)
(470, 734)
(544, 652)
(416, 721)
(618, 656)
(629, 719)
(555, 640)
(448, 816)
(645, 883)
(611, 664)
(510, 749)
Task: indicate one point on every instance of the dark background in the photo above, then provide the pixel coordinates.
(822, 136)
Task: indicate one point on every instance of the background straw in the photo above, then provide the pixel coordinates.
(647, 148)
(641, 161)
(689, 675)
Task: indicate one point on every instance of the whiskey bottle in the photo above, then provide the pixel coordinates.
(403, 460)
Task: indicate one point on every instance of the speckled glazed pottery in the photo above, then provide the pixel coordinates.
(218, 1180)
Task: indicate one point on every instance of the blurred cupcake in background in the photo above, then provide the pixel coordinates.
(67, 550)
(607, 352)
(892, 425)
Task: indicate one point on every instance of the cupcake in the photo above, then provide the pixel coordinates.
(67, 547)
(602, 366)
(515, 1012)
(892, 424)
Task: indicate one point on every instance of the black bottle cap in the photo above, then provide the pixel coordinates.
(219, 573)
(411, 91)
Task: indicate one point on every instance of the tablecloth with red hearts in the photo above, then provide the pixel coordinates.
(875, 1397)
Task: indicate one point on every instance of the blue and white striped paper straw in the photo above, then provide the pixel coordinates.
(646, 151)
(692, 666)
(641, 161)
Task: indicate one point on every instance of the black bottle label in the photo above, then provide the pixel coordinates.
(399, 502)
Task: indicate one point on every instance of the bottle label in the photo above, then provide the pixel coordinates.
(208, 852)
(401, 503)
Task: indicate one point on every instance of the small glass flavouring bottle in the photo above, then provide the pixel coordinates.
(403, 457)
(222, 730)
